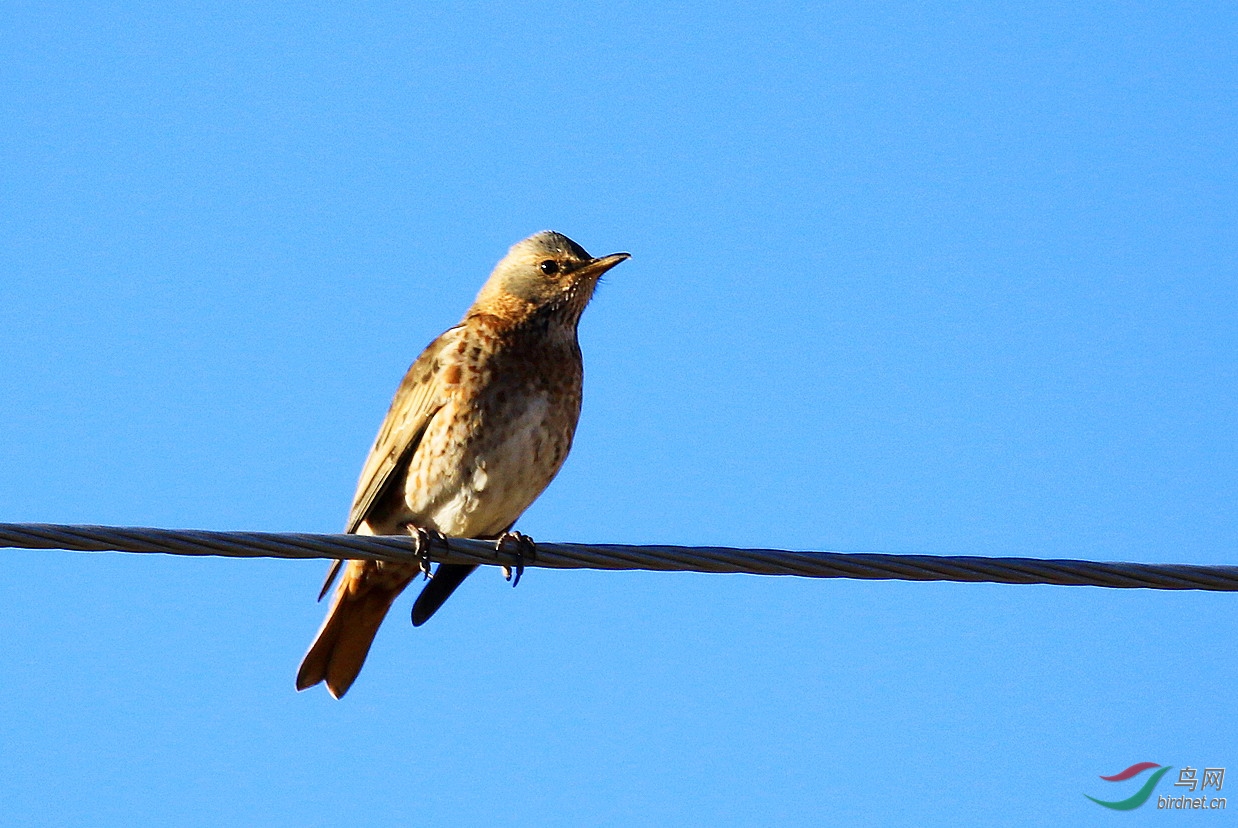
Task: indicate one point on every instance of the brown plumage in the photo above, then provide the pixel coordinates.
(478, 428)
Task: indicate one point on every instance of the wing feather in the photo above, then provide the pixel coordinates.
(417, 399)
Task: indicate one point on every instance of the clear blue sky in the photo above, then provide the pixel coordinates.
(940, 278)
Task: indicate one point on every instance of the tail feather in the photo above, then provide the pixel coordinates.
(446, 578)
(344, 640)
(362, 598)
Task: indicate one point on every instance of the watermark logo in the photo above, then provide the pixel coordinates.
(1188, 777)
(1141, 795)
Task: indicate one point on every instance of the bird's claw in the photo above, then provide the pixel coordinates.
(423, 542)
(525, 552)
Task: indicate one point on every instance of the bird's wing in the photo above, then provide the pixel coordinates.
(417, 399)
(419, 396)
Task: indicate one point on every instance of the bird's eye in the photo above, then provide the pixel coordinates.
(550, 267)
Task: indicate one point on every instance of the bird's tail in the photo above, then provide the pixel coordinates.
(344, 639)
(446, 578)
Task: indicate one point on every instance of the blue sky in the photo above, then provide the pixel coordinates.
(935, 278)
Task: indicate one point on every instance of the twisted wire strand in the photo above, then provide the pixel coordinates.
(866, 566)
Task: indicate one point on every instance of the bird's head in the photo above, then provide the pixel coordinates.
(547, 272)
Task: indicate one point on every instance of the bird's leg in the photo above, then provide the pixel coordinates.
(525, 552)
(423, 541)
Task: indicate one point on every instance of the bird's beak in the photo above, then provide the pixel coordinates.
(596, 267)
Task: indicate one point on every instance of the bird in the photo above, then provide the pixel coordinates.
(479, 426)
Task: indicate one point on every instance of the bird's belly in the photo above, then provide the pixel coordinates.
(504, 462)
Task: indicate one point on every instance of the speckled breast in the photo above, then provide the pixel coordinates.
(501, 437)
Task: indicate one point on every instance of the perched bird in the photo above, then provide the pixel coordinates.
(478, 428)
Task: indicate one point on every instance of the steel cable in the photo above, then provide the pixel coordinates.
(866, 566)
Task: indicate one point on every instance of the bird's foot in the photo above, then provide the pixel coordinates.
(423, 542)
(525, 552)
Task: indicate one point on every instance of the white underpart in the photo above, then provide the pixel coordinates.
(504, 479)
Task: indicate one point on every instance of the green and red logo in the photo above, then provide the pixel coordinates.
(1140, 796)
